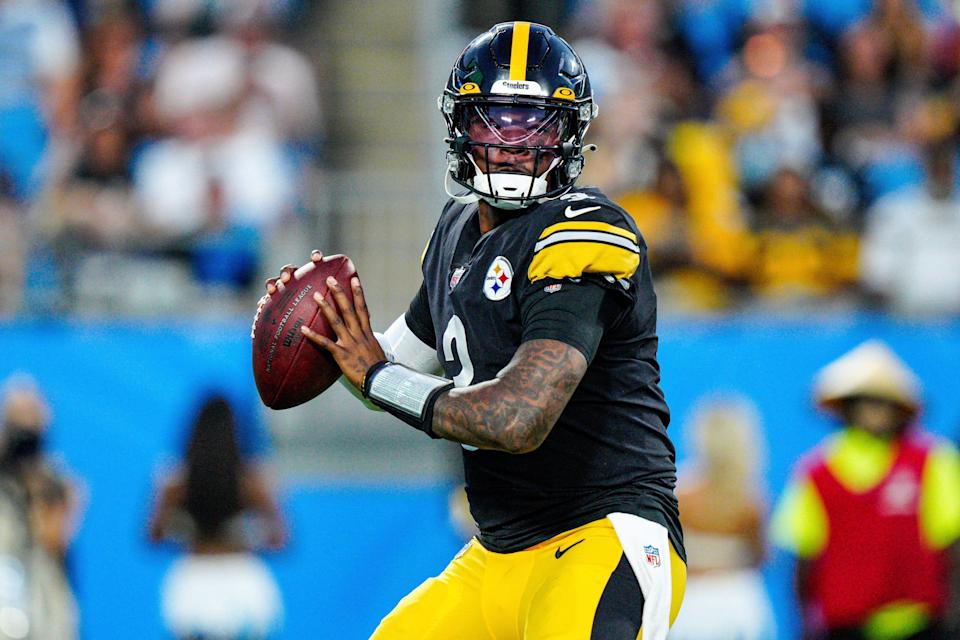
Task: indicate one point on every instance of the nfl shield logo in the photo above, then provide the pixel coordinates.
(653, 555)
(457, 275)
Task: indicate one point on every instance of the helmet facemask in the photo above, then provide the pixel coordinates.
(513, 154)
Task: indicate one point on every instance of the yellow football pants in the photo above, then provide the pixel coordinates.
(577, 585)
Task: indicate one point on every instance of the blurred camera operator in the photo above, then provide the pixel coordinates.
(37, 508)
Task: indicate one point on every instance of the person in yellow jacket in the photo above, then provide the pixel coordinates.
(873, 512)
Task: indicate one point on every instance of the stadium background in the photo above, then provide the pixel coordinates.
(125, 316)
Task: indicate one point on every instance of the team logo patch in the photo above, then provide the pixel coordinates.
(457, 275)
(553, 288)
(653, 555)
(496, 285)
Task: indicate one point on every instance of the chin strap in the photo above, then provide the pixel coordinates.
(481, 179)
(463, 198)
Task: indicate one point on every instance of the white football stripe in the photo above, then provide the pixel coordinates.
(304, 270)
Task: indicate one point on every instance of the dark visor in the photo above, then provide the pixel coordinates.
(513, 124)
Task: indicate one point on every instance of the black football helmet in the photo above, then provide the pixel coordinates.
(517, 105)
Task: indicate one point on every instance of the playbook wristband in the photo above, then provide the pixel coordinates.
(405, 393)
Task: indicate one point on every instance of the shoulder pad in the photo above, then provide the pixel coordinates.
(585, 235)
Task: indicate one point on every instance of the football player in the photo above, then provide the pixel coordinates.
(537, 303)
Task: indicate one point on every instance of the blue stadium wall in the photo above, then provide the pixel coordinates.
(123, 392)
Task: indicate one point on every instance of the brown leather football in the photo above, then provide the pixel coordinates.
(289, 369)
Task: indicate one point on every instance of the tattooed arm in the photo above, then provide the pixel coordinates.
(515, 411)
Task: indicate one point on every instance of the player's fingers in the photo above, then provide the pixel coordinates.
(333, 319)
(271, 286)
(360, 305)
(346, 307)
(316, 255)
(321, 340)
(286, 272)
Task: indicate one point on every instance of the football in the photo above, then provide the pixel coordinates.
(289, 369)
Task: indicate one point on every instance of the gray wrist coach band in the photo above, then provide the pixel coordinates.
(405, 393)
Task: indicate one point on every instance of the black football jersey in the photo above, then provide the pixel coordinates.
(609, 450)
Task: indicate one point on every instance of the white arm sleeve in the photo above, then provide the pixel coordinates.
(403, 346)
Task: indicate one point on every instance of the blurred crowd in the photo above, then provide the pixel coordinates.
(788, 155)
(782, 154)
(147, 148)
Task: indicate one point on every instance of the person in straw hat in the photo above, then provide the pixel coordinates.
(872, 514)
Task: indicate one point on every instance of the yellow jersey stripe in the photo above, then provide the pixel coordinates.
(518, 51)
(587, 225)
(572, 259)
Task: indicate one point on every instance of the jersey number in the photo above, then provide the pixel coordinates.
(455, 344)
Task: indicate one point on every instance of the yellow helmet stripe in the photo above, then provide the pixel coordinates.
(518, 51)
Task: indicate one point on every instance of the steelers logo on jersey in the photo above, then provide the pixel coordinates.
(496, 285)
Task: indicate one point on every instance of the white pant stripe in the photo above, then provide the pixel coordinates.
(652, 569)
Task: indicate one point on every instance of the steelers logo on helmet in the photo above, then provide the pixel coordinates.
(517, 105)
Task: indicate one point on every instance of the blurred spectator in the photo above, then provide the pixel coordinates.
(218, 181)
(713, 29)
(719, 227)
(219, 504)
(887, 66)
(39, 61)
(92, 209)
(683, 283)
(628, 74)
(873, 512)
(37, 520)
(771, 109)
(284, 94)
(800, 253)
(661, 215)
(723, 510)
(911, 260)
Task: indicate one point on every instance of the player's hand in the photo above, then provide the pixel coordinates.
(272, 285)
(356, 348)
(286, 274)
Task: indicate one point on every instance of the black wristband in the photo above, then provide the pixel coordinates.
(407, 394)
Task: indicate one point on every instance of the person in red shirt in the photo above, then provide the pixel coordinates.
(873, 512)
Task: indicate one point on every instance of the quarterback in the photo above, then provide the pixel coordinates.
(537, 308)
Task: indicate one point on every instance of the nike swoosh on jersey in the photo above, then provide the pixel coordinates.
(573, 213)
(559, 553)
